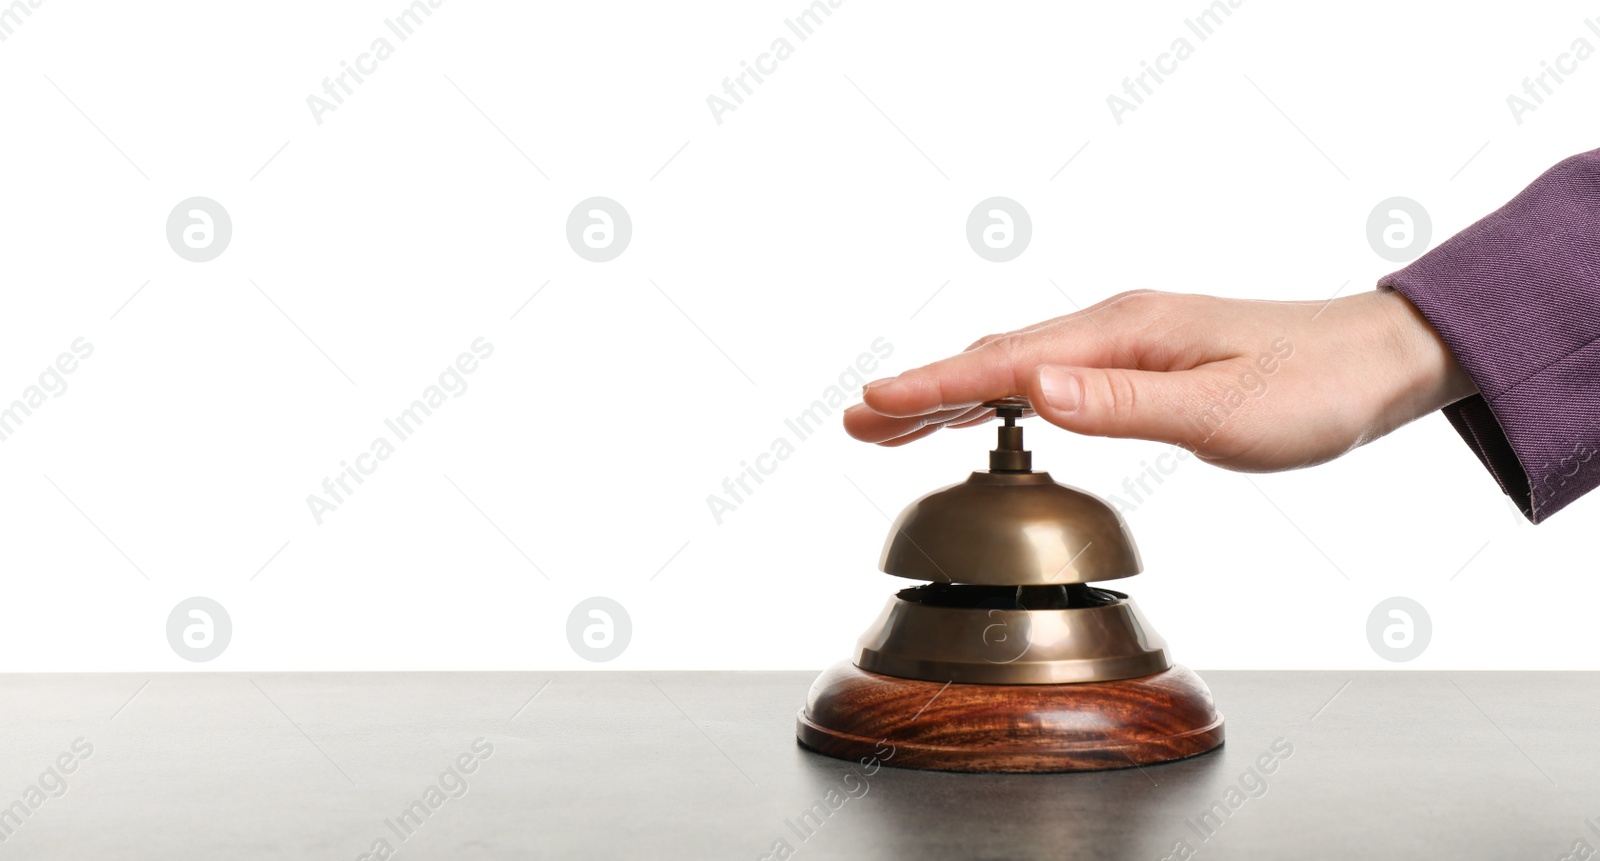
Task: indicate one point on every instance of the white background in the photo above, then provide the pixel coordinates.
(793, 234)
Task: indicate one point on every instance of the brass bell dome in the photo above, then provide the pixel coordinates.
(1010, 526)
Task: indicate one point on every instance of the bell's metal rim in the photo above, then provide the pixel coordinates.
(1012, 647)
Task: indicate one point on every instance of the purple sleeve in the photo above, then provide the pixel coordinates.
(1516, 297)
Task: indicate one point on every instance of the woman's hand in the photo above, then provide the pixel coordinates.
(1248, 385)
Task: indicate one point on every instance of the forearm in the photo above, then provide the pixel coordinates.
(1516, 299)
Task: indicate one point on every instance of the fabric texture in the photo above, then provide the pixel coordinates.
(1516, 297)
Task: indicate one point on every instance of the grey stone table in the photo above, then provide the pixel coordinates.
(704, 765)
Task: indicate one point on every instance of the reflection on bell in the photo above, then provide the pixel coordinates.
(1006, 659)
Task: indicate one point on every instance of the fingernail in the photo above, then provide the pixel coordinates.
(880, 387)
(1061, 388)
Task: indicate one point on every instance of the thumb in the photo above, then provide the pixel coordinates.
(1118, 402)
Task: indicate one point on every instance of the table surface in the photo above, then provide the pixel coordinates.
(704, 765)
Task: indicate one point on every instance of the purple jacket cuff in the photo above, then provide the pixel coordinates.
(1516, 297)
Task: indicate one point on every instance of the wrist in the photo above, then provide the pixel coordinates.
(1431, 377)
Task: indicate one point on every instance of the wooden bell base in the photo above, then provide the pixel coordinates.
(857, 715)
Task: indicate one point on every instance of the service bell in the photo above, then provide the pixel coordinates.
(1007, 659)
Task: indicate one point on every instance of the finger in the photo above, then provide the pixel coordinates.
(984, 340)
(981, 416)
(910, 437)
(998, 369)
(970, 416)
(862, 423)
(1117, 402)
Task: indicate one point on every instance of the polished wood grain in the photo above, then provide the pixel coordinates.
(907, 723)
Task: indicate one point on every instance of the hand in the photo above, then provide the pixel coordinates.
(1249, 385)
